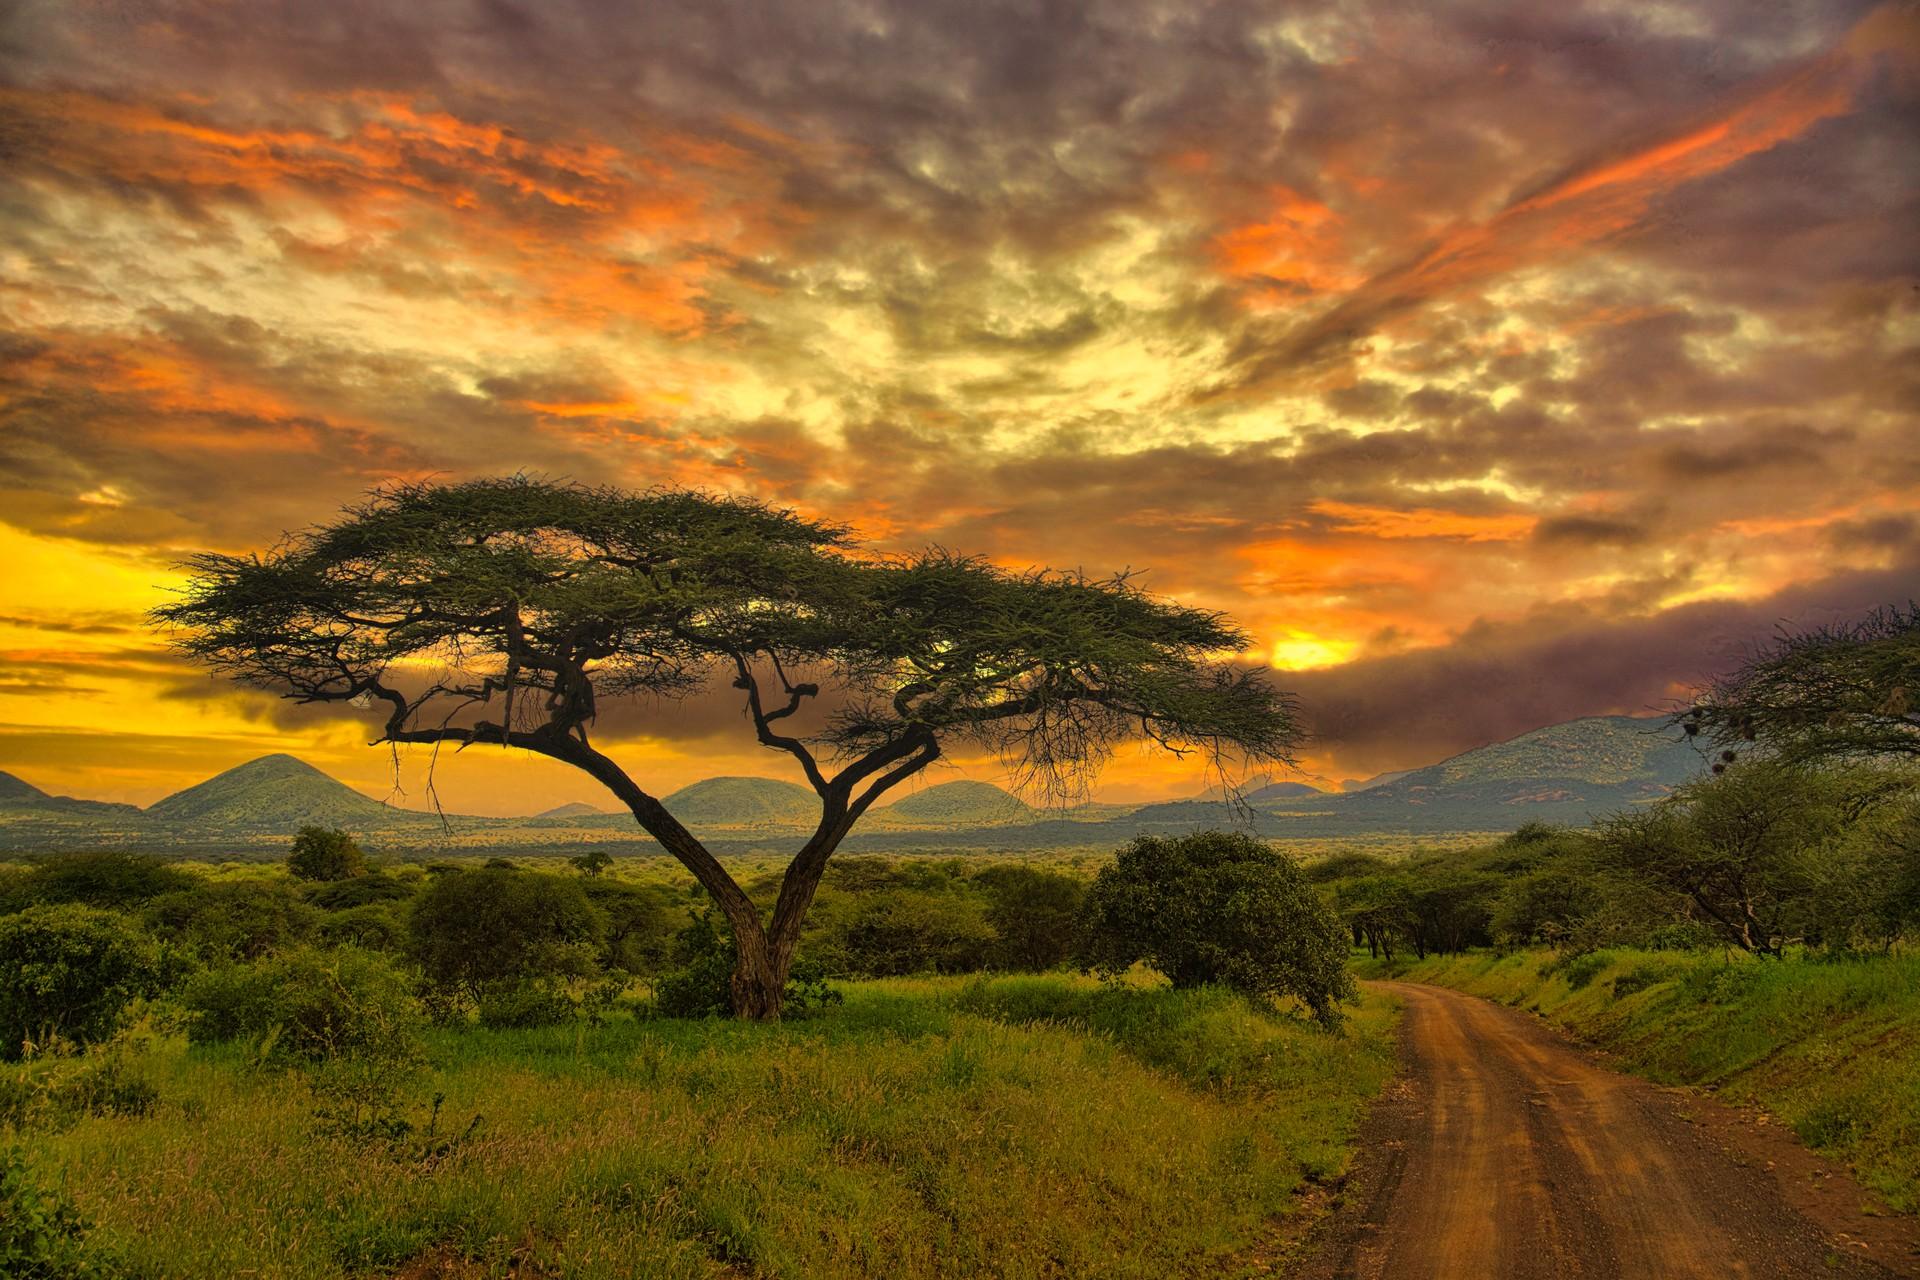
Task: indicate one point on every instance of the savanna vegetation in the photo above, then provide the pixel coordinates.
(501, 1067)
(480, 1067)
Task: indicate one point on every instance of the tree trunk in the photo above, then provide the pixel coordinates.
(759, 980)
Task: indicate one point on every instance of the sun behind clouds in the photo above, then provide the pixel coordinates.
(1491, 364)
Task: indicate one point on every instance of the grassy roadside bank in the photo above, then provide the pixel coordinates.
(1831, 1047)
(1037, 1126)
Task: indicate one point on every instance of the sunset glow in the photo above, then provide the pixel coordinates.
(1492, 365)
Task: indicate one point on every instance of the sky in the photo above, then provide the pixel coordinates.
(1492, 363)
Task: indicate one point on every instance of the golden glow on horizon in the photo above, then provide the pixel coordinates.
(1383, 366)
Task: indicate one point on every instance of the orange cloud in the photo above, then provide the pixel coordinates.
(1425, 522)
(585, 232)
(1602, 198)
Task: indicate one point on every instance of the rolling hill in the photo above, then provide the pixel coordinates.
(574, 809)
(1565, 773)
(281, 793)
(744, 802)
(960, 803)
(14, 791)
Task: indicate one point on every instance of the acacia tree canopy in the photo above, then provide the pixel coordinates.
(1848, 691)
(507, 611)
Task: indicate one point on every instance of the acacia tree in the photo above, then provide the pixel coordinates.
(506, 612)
(1847, 691)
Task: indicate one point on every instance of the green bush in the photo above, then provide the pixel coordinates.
(1220, 907)
(525, 1004)
(308, 1005)
(42, 1237)
(236, 920)
(641, 921)
(378, 926)
(890, 932)
(699, 985)
(325, 853)
(1583, 969)
(107, 879)
(70, 973)
(1033, 914)
(1649, 973)
(470, 930)
(359, 891)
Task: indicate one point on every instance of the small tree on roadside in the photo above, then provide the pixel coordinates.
(510, 612)
(325, 853)
(1843, 692)
(1740, 848)
(1221, 907)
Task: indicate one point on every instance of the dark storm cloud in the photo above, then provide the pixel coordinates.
(1498, 680)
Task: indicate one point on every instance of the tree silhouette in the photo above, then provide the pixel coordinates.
(508, 611)
(1848, 691)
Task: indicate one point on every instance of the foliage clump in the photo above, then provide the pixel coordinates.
(1845, 692)
(309, 1005)
(69, 973)
(1217, 907)
(474, 931)
(325, 853)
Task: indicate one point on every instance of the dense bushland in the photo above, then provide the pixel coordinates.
(1762, 857)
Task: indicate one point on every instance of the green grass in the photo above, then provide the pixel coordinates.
(1831, 1047)
(1011, 1127)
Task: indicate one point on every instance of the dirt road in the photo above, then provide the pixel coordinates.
(1505, 1152)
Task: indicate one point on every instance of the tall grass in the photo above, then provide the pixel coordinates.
(1830, 1046)
(1019, 1128)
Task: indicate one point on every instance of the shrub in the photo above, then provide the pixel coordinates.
(498, 924)
(378, 926)
(525, 1004)
(1220, 907)
(1582, 969)
(42, 1237)
(899, 931)
(308, 1005)
(325, 853)
(69, 973)
(108, 879)
(359, 891)
(641, 921)
(238, 920)
(1032, 914)
(1649, 973)
(699, 984)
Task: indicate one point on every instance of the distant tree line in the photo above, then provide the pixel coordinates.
(1761, 857)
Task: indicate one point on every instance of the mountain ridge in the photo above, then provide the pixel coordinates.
(1567, 773)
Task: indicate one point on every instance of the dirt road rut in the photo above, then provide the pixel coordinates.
(1504, 1152)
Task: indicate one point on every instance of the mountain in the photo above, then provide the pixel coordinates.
(1218, 793)
(744, 802)
(1282, 791)
(576, 809)
(277, 792)
(1352, 785)
(13, 791)
(960, 803)
(1562, 773)
(1601, 751)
